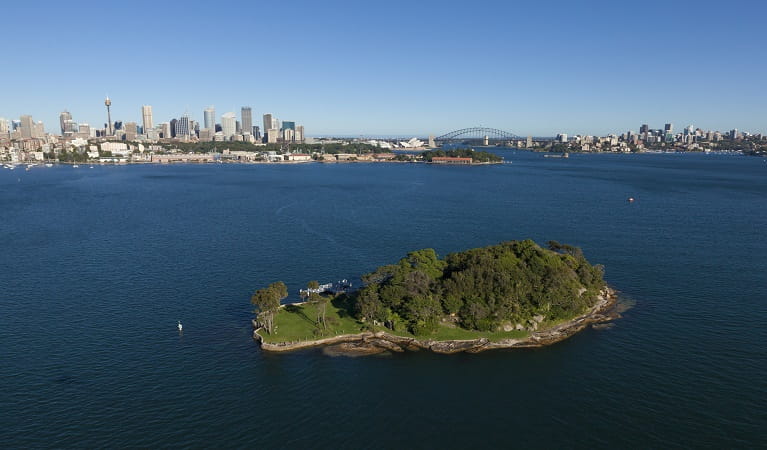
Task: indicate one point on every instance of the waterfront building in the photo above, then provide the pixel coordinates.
(209, 118)
(146, 117)
(228, 125)
(246, 116)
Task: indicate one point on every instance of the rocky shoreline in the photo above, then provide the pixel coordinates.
(367, 343)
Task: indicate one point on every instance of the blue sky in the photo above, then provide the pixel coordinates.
(394, 67)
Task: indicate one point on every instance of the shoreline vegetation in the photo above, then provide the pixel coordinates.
(512, 295)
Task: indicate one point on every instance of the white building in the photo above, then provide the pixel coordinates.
(229, 125)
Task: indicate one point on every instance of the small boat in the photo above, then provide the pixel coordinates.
(91, 167)
(631, 199)
(49, 165)
(180, 327)
(75, 166)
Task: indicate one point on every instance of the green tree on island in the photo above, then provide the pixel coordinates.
(267, 302)
(319, 301)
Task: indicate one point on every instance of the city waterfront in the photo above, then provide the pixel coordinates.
(99, 264)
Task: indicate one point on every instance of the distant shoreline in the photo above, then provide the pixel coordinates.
(369, 342)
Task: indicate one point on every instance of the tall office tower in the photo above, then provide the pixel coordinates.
(256, 132)
(268, 121)
(300, 133)
(246, 119)
(5, 126)
(734, 134)
(173, 124)
(288, 125)
(131, 131)
(228, 124)
(288, 135)
(668, 128)
(27, 127)
(84, 130)
(165, 130)
(182, 126)
(108, 104)
(209, 118)
(688, 130)
(146, 118)
(237, 127)
(69, 128)
(38, 131)
(644, 128)
(63, 117)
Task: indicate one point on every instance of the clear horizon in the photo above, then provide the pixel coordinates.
(343, 68)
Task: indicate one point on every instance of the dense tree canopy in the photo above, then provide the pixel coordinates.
(476, 156)
(479, 289)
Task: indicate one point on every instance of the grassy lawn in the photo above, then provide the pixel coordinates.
(299, 323)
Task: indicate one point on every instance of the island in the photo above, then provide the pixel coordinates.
(513, 294)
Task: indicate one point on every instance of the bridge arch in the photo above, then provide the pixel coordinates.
(476, 134)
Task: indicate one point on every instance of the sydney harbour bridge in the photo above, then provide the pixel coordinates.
(477, 136)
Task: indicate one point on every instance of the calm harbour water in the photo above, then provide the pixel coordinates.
(97, 265)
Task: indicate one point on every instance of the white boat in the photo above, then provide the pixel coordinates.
(180, 327)
(49, 165)
(75, 166)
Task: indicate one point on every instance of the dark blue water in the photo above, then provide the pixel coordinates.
(96, 266)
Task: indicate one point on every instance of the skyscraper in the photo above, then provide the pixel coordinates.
(146, 116)
(131, 131)
(63, 117)
(268, 120)
(5, 126)
(183, 127)
(173, 124)
(27, 127)
(228, 124)
(246, 119)
(209, 118)
(644, 128)
(165, 130)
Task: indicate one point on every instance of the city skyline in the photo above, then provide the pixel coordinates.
(369, 70)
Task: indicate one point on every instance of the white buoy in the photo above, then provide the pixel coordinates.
(180, 327)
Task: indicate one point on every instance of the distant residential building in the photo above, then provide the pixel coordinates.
(529, 142)
(246, 122)
(228, 125)
(146, 117)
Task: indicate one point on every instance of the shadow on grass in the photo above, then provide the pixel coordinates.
(299, 311)
(343, 303)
